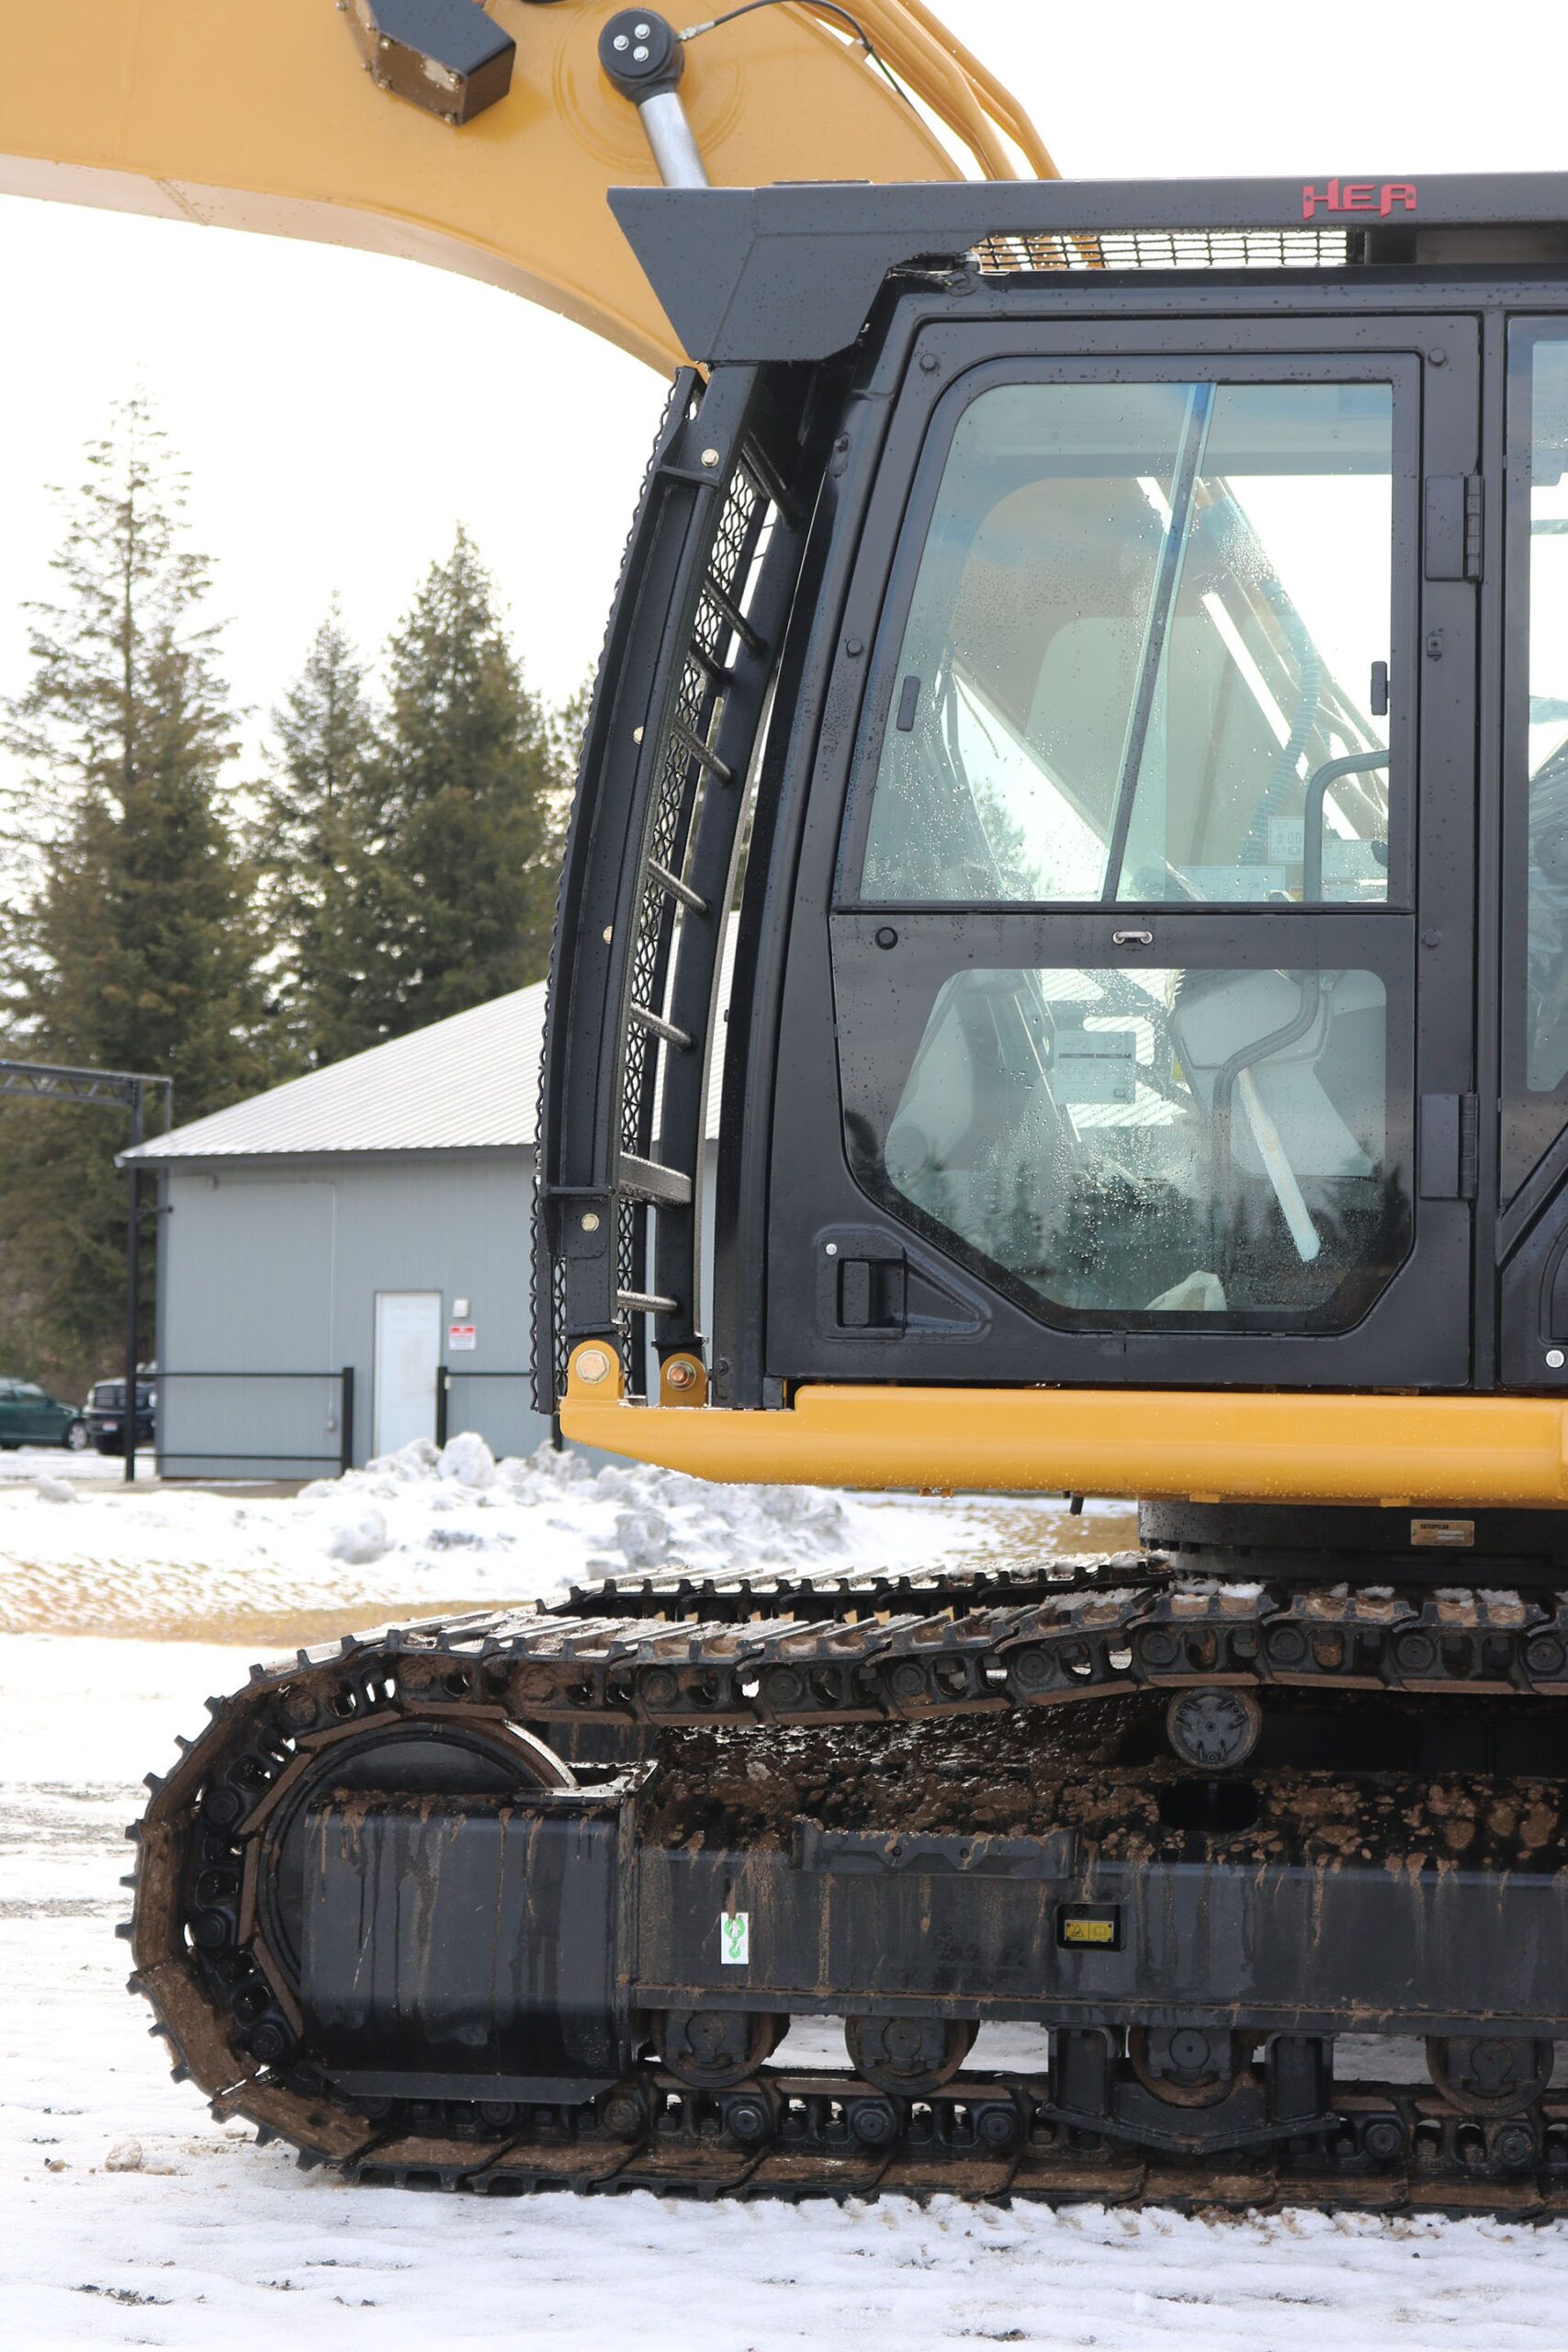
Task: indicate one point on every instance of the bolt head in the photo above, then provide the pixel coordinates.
(593, 1365)
(620, 41)
(1556, 1359)
(270, 2041)
(642, 31)
(590, 1222)
(710, 457)
(680, 1373)
(639, 55)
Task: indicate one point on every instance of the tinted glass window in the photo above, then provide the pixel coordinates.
(1146, 618)
(1546, 729)
(1208, 1143)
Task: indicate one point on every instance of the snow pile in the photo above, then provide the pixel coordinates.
(422, 1529)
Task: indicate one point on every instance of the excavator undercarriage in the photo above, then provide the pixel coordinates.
(1179, 1836)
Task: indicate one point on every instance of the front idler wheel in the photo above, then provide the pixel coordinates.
(1490, 2073)
(709, 2050)
(909, 2055)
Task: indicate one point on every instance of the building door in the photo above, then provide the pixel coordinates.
(408, 1356)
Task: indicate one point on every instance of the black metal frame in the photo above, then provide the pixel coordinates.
(656, 832)
(748, 275)
(343, 1460)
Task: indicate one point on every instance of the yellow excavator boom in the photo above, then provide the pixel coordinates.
(261, 119)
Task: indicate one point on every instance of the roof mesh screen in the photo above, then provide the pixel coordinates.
(1165, 249)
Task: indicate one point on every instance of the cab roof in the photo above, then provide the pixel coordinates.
(790, 273)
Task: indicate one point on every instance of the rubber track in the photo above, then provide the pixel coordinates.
(1075, 1633)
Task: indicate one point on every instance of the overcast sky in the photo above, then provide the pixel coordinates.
(340, 413)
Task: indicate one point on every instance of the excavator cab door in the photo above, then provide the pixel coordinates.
(1146, 873)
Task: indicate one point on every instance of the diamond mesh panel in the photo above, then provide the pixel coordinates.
(1165, 249)
(683, 777)
(556, 1349)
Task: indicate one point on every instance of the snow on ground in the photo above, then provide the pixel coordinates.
(128, 2217)
(418, 1530)
(24, 1462)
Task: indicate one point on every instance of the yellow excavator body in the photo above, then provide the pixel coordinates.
(243, 120)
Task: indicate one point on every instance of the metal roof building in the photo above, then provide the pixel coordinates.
(345, 1261)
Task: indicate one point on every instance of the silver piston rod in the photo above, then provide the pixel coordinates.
(644, 57)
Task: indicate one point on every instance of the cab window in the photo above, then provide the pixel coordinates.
(1147, 619)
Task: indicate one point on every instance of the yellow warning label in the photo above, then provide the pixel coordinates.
(1089, 1931)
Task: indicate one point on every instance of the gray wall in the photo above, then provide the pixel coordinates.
(275, 1267)
(272, 1266)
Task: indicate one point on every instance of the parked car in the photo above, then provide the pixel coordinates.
(30, 1416)
(105, 1414)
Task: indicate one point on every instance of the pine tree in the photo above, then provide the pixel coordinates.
(452, 905)
(320, 818)
(138, 949)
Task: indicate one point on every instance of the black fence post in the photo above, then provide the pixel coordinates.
(133, 1289)
(443, 1402)
(346, 1423)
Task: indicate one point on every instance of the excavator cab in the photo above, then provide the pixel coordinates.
(1100, 671)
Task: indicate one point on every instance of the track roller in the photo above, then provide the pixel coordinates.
(909, 2055)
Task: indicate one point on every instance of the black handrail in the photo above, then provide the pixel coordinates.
(1311, 815)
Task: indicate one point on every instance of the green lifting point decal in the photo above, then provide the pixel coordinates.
(735, 1937)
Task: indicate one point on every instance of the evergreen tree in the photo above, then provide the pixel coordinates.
(138, 949)
(320, 818)
(454, 901)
